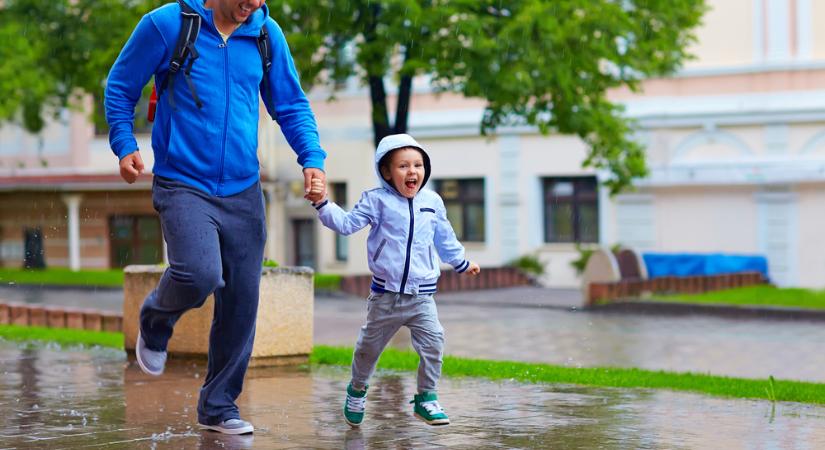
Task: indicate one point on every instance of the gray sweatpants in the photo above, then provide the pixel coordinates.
(386, 313)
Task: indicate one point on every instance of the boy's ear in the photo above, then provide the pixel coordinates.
(385, 172)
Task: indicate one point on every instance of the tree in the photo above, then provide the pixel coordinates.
(545, 63)
(55, 51)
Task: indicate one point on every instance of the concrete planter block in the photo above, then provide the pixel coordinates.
(283, 333)
(601, 268)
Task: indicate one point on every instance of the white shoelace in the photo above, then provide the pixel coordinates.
(356, 404)
(432, 407)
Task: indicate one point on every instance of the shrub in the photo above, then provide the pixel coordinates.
(529, 264)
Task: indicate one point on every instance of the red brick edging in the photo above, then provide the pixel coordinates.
(489, 278)
(59, 317)
(624, 289)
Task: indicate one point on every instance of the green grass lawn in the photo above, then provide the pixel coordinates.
(327, 282)
(65, 336)
(62, 277)
(768, 389)
(391, 359)
(753, 296)
(107, 278)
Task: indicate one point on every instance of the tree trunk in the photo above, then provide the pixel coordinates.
(402, 109)
(380, 117)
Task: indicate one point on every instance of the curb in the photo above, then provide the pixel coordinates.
(58, 317)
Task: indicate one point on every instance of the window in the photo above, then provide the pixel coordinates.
(339, 196)
(571, 209)
(464, 200)
(135, 240)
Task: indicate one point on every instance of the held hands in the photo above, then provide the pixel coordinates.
(315, 186)
(474, 269)
(131, 166)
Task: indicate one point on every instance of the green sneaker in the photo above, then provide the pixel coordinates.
(426, 408)
(354, 405)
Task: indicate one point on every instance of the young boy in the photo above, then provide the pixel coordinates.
(407, 225)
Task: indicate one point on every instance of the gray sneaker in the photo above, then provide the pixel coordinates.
(150, 361)
(230, 426)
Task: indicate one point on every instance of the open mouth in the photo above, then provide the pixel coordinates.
(411, 183)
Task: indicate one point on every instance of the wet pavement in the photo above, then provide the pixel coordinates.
(538, 325)
(104, 299)
(752, 348)
(94, 398)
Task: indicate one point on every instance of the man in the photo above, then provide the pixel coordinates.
(206, 184)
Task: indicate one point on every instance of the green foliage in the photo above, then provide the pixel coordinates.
(54, 51)
(771, 389)
(584, 255)
(62, 277)
(270, 263)
(63, 336)
(580, 263)
(764, 295)
(529, 264)
(546, 63)
(327, 282)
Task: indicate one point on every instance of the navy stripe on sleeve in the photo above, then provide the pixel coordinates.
(463, 266)
(321, 205)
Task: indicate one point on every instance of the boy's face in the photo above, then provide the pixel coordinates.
(405, 171)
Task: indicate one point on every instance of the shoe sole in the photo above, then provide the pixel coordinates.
(140, 361)
(434, 422)
(352, 424)
(220, 429)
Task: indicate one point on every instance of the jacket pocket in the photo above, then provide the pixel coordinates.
(380, 249)
(430, 250)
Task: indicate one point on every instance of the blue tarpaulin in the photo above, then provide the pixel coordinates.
(693, 264)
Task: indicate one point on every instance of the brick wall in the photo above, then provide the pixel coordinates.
(489, 278)
(59, 317)
(632, 289)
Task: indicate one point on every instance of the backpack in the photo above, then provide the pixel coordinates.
(185, 50)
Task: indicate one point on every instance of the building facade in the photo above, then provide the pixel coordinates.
(735, 143)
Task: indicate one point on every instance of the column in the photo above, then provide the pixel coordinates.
(73, 205)
(509, 197)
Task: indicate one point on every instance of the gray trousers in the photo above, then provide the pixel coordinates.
(386, 313)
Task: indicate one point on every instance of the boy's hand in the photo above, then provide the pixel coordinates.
(474, 269)
(316, 191)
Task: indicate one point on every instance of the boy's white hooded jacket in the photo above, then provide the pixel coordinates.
(405, 233)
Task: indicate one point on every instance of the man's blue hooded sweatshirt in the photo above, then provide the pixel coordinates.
(213, 148)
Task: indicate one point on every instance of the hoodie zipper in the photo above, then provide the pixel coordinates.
(409, 246)
(225, 47)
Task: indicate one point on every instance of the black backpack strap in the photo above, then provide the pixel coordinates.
(265, 49)
(185, 48)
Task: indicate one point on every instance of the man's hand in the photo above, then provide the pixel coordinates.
(474, 269)
(315, 191)
(131, 166)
